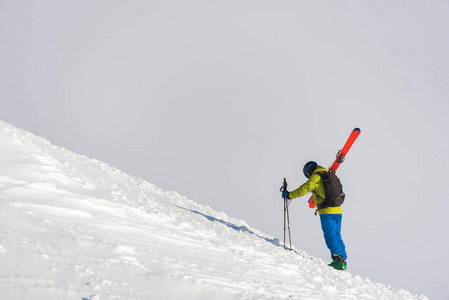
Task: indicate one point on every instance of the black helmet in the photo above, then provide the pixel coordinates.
(309, 168)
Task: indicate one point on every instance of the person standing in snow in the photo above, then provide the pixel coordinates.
(330, 217)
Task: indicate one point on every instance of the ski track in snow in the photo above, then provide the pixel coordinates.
(76, 228)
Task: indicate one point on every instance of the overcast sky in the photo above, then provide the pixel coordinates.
(219, 100)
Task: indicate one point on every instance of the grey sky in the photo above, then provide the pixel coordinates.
(219, 100)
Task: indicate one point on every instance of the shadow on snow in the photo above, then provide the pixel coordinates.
(274, 241)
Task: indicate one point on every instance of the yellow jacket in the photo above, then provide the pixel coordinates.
(315, 186)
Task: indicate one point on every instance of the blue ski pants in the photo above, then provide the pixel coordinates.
(331, 225)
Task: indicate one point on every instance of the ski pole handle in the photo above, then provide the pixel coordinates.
(284, 186)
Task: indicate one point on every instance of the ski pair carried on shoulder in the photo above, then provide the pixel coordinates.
(341, 155)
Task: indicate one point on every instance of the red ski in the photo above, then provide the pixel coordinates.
(340, 156)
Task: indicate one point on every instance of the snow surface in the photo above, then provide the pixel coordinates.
(76, 228)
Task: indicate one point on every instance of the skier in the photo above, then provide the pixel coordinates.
(330, 217)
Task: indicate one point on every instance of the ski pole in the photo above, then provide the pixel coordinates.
(288, 223)
(286, 215)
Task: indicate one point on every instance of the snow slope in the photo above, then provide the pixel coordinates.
(76, 228)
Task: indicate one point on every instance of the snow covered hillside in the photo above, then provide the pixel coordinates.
(76, 228)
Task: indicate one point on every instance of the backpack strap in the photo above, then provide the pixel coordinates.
(319, 205)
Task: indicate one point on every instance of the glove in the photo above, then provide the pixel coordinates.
(285, 195)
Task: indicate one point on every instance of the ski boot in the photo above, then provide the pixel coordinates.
(338, 262)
